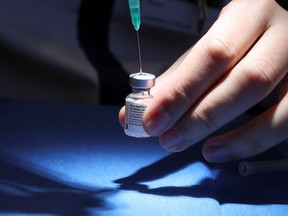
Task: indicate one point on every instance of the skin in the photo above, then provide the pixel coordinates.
(240, 61)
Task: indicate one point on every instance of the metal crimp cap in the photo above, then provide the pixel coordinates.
(142, 80)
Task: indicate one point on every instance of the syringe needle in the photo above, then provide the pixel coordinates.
(134, 6)
(139, 52)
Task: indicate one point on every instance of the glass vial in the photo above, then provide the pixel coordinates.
(137, 102)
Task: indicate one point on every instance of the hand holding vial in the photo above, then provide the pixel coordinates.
(238, 63)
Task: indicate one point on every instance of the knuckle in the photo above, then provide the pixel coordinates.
(220, 48)
(205, 118)
(179, 95)
(183, 94)
(177, 102)
(259, 76)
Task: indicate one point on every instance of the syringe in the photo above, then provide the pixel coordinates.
(134, 7)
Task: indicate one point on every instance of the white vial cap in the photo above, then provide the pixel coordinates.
(142, 80)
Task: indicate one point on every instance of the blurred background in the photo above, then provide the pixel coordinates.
(82, 51)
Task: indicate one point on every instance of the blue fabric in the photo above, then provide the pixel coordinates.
(70, 159)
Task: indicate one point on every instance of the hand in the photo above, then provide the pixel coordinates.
(238, 63)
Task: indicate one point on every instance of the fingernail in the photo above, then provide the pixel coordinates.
(158, 124)
(171, 139)
(216, 153)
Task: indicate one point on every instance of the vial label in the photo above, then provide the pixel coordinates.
(134, 116)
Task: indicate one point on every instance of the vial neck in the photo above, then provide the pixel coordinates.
(141, 91)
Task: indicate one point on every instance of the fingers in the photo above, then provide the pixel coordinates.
(257, 136)
(215, 54)
(252, 79)
(234, 66)
(121, 116)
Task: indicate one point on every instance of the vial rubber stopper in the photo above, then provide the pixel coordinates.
(142, 80)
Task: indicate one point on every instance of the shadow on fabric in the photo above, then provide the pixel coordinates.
(228, 187)
(26, 189)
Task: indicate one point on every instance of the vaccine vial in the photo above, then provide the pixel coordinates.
(137, 102)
